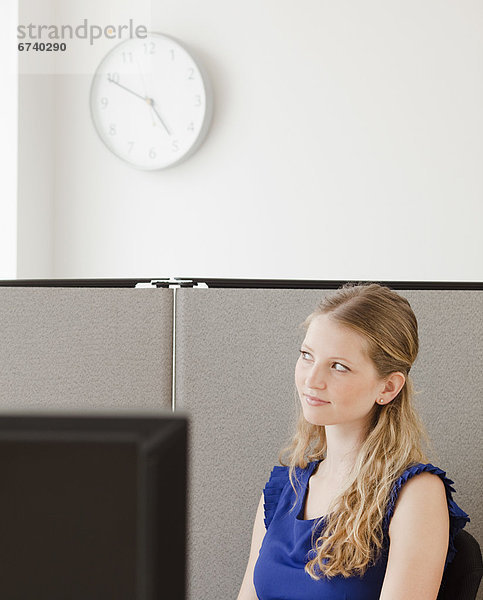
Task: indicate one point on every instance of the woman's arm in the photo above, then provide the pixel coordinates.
(418, 534)
(247, 590)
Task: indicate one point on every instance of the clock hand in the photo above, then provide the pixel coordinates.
(151, 102)
(146, 99)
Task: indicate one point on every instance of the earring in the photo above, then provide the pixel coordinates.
(381, 401)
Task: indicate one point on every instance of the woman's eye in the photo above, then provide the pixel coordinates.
(305, 355)
(343, 370)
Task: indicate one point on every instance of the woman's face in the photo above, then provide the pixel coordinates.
(336, 382)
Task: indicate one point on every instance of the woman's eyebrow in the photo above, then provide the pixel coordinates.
(306, 346)
(331, 357)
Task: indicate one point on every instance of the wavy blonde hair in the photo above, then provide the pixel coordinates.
(352, 537)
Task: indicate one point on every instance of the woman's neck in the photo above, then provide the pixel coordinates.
(343, 443)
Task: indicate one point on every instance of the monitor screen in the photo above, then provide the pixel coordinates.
(93, 507)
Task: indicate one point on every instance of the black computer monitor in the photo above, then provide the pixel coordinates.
(93, 507)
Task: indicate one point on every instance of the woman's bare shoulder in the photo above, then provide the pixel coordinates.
(423, 496)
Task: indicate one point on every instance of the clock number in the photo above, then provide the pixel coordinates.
(113, 77)
(152, 153)
(172, 53)
(127, 57)
(149, 48)
(197, 100)
(191, 126)
(104, 102)
(130, 144)
(112, 129)
(191, 73)
(175, 146)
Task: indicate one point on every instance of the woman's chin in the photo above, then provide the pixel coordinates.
(313, 418)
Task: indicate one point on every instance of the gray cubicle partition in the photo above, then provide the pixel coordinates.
(65, 349)
(235, 358)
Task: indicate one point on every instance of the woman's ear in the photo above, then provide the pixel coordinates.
(393, 385)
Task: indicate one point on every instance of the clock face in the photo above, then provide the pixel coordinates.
(150, 103)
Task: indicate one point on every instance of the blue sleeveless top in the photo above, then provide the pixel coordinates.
(279, 572)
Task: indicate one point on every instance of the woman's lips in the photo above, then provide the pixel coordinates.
(314, 401)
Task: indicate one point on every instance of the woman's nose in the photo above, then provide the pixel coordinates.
(315, 378)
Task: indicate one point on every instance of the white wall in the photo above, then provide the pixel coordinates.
(37, 152)
(37, 164)
(347, 143)
(8, 145)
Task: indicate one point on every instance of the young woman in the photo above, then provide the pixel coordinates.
(356, 512)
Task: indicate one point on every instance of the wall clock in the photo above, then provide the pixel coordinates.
(151, 102)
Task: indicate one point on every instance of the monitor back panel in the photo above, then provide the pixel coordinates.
(69, 520)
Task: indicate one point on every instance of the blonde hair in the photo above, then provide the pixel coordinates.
(352, 537)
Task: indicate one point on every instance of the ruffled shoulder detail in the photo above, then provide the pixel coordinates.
(457, 517)
(272, 490)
